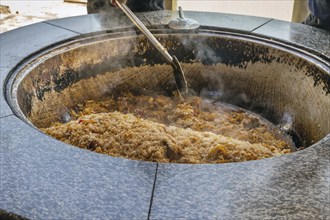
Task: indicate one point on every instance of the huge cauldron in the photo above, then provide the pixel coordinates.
(288, 85)
(281, 83)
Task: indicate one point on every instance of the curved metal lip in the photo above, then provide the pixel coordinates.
(22, 69)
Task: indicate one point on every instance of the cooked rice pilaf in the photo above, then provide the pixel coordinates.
(163, 129)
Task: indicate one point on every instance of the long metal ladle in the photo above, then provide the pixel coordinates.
(180, 78)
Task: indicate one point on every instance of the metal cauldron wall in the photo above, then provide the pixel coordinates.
(283, 84)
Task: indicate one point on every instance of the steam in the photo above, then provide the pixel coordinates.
(123, 54)
(286, 122)
(202, 51)
(286, 125)
(214, 89)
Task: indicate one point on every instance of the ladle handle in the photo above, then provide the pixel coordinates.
(145, 31)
